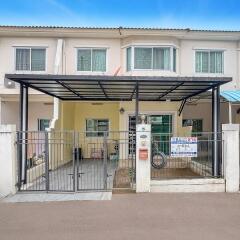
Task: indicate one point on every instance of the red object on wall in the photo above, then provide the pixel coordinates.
(143, 154)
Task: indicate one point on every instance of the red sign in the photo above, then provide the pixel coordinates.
(143, 154)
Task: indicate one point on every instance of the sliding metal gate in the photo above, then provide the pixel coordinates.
(69, 161)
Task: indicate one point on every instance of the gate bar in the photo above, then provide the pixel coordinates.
(216, 128)
(47, 161)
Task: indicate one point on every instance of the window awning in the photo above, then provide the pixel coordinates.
(231, 96)
(118, 88)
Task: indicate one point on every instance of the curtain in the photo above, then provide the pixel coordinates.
(158, 58)
(143, 58)
(166, 54)
(99, 60)
(129, 58)
(209, 61)
(174, 59)
(38, 58)
(205, 62)
(22, 59)
(84, 60)
(198, 61)
(161, 58)
(219, 62)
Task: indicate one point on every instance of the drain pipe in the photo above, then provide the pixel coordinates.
(58, 61)
(230, 112)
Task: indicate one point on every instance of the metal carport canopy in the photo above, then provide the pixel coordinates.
(118, 88)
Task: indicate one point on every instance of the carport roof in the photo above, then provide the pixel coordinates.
(118, 88)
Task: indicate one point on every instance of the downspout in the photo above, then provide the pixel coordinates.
(57, 64)
(230, 112)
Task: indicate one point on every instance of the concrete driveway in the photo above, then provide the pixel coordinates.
(127, 216)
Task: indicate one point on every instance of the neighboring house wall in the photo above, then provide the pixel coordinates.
(203, 110)
(37, 110)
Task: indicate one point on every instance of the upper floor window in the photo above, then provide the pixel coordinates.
(152, 58)
(209, 61)
(30, 59)
(91, 59)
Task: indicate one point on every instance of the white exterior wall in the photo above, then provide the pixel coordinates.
(37, 110)
(7, 160)
(116, 44)
(187, 59)
(116, 54)
(7, 53)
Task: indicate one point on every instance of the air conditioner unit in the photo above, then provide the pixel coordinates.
(9, 84)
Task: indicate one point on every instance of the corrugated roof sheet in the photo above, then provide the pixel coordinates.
(120, 27)
(231, 96)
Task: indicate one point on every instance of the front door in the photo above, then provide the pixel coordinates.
(161, 130)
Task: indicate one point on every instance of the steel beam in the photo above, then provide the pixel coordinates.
(216, 128)
(23, 127)
(136, 103)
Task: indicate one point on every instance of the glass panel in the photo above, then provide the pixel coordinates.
(143, 58)
(197, 126)
(219, 62)
(161, 58)
(158, 58)
(43, 124)
(161, 126)
(102, 127)
(205, 62)
(212, 62)
(198, 61)
(38, 57)
(174, 59)
(97, 127)
(91, 128)
(23, 59)
(166, 53)
(84, 60)
(129, 59)
(99, 60)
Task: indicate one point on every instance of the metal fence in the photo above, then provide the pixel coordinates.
(165, 166)
(75, 161)
(70, 161)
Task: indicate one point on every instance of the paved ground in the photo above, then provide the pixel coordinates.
(127, 216)
(91, 176)
(53, 197)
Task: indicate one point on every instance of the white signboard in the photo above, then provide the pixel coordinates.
(184, 147)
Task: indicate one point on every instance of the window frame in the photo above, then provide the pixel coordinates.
(30, 58)
(91, 48)
(209, 60)
(39, 123)
(192, 120)
(97, 132)
(171, 64)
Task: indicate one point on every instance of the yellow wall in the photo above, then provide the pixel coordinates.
(73, 115)
(84, 111)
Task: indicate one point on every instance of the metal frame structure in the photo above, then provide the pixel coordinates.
(122, 88)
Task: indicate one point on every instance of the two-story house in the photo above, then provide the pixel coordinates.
(98, 80)
(119, 52)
